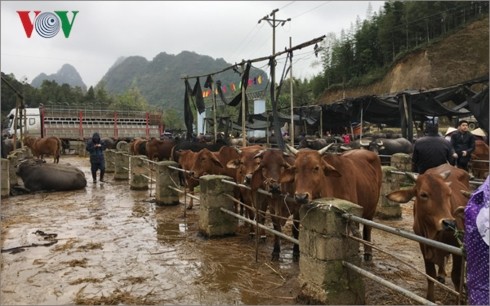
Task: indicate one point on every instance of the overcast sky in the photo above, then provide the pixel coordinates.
(104, 31)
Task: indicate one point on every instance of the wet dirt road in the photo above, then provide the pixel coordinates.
(114, 246)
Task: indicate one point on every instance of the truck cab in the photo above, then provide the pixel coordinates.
(28, 116)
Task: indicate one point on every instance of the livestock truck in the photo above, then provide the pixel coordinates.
(78, 123)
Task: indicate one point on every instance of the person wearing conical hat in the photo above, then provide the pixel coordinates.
(449, 132)
(479, 134)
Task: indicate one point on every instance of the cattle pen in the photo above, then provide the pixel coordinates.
(126, 170)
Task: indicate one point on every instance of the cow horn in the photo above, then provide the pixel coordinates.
(292, 149)
(445, 174)
(259, 154)
(238, 150)
(345, 148)
(324, 149)
(412, 176)
(379, 142)
(364, 144)
(466, 193)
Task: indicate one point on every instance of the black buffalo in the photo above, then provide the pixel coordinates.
(40, 176)
(385, 146)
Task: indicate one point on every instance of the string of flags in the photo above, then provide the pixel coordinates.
(232, 87)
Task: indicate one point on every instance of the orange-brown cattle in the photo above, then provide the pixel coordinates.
(437, 195)
(137, 146)
(479, 160)
(186, 160)
(272, 163)
(354, 176)
(159, 149)
(207, 162)
(245, 165)
(41, 146)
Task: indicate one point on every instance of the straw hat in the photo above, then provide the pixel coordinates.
(450, 130)
(479, 132)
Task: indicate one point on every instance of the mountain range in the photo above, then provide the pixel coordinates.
(66, 75)
(161, 80)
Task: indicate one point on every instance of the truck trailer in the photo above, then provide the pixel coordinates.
(78, 123)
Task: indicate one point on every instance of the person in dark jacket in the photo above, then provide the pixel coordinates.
(463, 143)
(431, 151)
(97, 162)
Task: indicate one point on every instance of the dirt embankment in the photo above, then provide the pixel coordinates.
(457, 58)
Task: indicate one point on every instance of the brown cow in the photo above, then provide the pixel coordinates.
(186, 160)
(273, 162)
(207, 162)
(159, 149)
(137, 146)
(245, 165)
(438, 197)
(39, 146)
(479, 160)
(354, 176)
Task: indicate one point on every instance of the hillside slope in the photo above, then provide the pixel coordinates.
(459, 57)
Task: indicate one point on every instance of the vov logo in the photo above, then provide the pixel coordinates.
(47, 24)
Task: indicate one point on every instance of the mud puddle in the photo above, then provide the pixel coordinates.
(114, 246)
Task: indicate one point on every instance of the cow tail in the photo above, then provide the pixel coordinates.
(58, 151)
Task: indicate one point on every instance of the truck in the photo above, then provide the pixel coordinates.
(79, 123)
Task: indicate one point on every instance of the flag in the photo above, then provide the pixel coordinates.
(259, 79)
(232, 87)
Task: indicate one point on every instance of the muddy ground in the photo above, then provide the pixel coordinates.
(114, 246)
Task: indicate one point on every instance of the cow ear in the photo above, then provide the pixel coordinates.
(233, 164)
(287, 176)
(216, 161)
(401, 196)
(330, 170)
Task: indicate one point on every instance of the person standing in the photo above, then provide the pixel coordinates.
(97, 162)
(463, 143)
(431, 151)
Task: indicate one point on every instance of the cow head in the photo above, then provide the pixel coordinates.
(432, 205)
(272, 163)
(205, 162)
(246, 164)
(309, 174)
(376, 146)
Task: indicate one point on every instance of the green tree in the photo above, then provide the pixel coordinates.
(172, 120)
(131, 99)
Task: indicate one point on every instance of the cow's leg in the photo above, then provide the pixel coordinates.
(295, 232)
(191, 202)
(366, 235)
(261, 216)
(456, 272)
(276, 251)
(430, 269)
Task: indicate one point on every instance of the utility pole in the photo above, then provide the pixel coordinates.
(273, 22)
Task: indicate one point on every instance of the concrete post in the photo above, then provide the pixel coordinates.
(110, 159)
(323, 247)
(5, 178)
(212, 221)
(82, 151)
(402, 162)
(121, 166)
(139, 169)
(166, 177)
(388, 209)
(13, 159)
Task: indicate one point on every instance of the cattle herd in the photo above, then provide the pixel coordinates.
(314, 169)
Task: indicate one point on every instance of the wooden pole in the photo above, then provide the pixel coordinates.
(291, 128)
